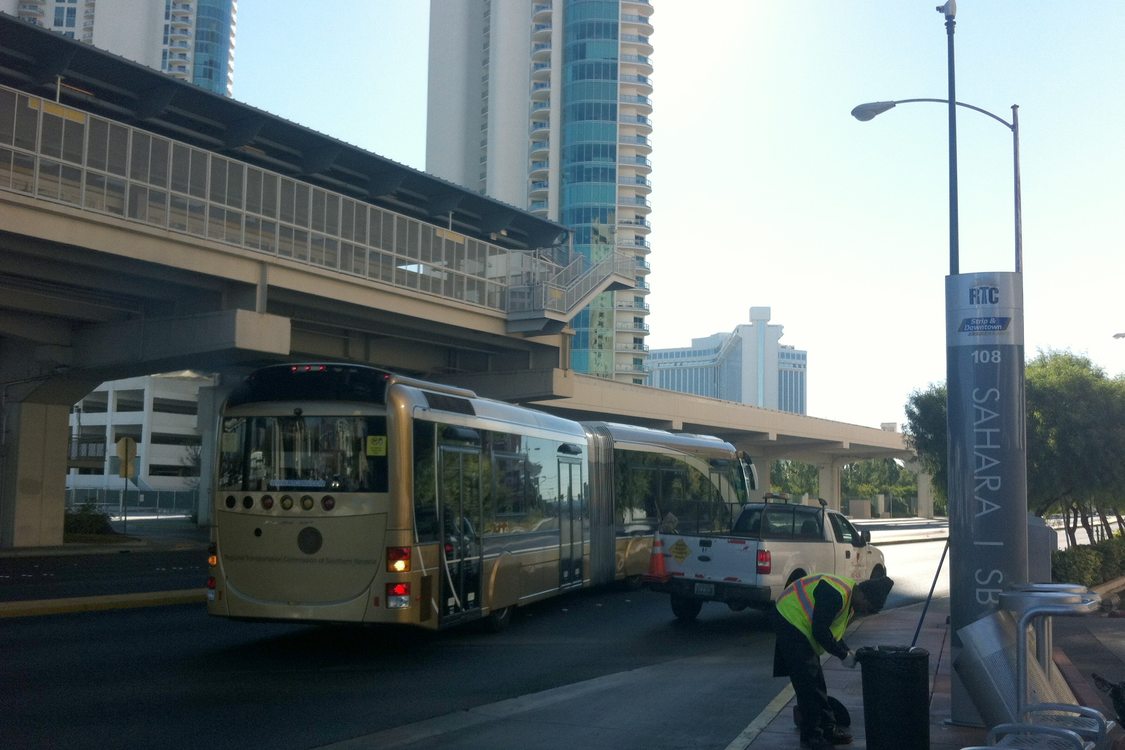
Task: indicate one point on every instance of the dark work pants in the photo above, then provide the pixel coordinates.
(794, 656)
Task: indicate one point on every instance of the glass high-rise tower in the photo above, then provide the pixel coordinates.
(545, 104)
(192, 40)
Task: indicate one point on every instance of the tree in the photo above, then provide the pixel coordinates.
(1075, 437)
(926, 432)
(192, 460)
(880, 476)
(794, 478)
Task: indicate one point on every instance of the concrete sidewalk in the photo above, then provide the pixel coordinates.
(775, 729)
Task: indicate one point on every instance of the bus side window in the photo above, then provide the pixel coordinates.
(425, 475)
(376, 477)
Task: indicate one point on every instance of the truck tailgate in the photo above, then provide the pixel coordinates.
(711, 558)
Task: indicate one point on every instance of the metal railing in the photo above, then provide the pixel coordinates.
(64, 155)
(563, 292)
(137, 502)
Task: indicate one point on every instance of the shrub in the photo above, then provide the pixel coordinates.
(1112, 552)
(1081, 565)
(87, 520)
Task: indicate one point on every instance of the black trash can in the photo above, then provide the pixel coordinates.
(896, 700)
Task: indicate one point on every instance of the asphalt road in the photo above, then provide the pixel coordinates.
(600, 669)
(116, 572)
(618, 670)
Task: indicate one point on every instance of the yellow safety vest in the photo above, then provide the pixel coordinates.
(797, 603)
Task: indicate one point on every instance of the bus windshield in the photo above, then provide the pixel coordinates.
(341, 454)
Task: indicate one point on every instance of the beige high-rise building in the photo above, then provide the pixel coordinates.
(545, 104)
(192, 40)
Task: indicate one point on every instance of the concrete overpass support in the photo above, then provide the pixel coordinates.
(829, 476)
(762, 469)
(925, 495)
(33, 462)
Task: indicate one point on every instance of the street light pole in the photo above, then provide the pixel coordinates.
(950, 11)
(1016, 176)
(871, 110)
(985, 411)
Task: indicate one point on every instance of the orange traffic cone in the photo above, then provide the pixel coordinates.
(656, 572)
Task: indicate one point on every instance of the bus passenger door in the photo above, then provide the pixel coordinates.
(459, 501)
(571, 510)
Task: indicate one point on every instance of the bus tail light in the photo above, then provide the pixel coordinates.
(398, 595)
(398, 559)
(211, 582)
(765, 562)
(212, 555)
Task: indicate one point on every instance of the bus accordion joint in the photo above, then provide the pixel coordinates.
(398, 559)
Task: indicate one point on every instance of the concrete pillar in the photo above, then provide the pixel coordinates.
(830, 475)
(33, 459)
(925, 496)
(762, 468)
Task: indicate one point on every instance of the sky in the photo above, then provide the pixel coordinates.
(766, 192)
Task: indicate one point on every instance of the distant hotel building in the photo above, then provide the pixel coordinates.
(544, 104)
(192, 40)
(159, 412)
(749, 366)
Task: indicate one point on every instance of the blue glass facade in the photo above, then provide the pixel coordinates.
(588, 194)
(212, 44)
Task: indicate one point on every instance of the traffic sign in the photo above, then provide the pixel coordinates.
(126, 457)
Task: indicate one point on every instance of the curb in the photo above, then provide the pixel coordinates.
(82, 548)
(38, 607)
(1084, 691)
(1109, 587)
(1088, 695)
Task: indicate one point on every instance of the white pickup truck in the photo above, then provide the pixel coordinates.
(770, 545)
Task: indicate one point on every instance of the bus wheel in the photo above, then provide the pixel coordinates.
(498, 619)
(685, 609)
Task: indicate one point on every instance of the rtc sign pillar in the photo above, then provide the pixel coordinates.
(987, 445)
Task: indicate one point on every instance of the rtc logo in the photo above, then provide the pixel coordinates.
(984, 295)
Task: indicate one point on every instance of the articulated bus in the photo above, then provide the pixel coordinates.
(344, 493)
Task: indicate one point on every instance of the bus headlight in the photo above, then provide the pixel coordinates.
(398, 595)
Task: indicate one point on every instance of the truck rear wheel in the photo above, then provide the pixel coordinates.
(685, 609)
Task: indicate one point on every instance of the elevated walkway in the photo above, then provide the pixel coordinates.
(548, 306)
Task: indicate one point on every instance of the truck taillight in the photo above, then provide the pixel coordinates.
(398, 595)
(398, 559)
(765, 562)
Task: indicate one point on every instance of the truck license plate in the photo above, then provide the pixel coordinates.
(704, 589)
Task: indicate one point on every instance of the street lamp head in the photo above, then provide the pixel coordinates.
(865, 112)
(949, 9)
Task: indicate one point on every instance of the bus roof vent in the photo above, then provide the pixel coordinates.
(445, 402)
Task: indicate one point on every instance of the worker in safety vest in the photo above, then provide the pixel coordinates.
(811, 616)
